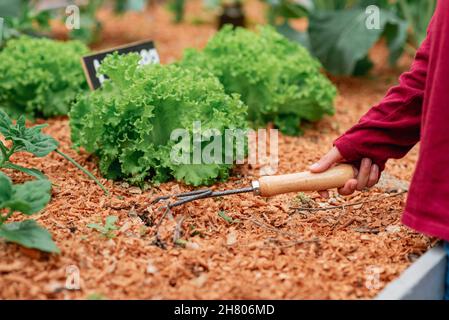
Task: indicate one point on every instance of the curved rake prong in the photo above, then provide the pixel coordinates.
(210, 194)
(181, 195)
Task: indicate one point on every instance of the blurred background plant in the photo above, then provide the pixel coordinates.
(226, 11)
(21, 17)
(417, 13)
(337, 33)
(177, 7)
(32, 17)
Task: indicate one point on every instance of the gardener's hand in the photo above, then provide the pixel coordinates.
(367, 175)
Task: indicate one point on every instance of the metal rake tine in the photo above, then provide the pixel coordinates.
(181, 195)
(184, 200)
(192, 193)
(186, 197)
(210, 194)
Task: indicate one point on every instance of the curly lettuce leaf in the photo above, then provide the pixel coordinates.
(40, 77)
(276, 78)
(129, 121)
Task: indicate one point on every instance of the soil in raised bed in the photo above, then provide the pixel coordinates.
(266, 250)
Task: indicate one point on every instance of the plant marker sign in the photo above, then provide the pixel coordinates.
(92, 62)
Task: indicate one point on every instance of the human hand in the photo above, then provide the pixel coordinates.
(366, 176)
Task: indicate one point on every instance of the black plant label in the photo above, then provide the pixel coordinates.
(92, 62)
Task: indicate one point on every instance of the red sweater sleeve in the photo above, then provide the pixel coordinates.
(392, 128)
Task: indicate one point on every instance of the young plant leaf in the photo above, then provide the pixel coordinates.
(30, 197)
(32, 172)
(107, 228)
(341, 32)
(5, 123)
(98, 227)
(29, 234)
(340, 38)
(31, 140)
(110, 222)
(5, 189)
(225, 217)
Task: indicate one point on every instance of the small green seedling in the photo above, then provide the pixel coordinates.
(181, 242)
(227, 218)
(304, 200)
(30, 140)
(108, 228)
(194, 232)
(28, 198)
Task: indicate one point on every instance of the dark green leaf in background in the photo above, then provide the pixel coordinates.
(10, 8)
(129, 5)
(340, 39)
(5, 189)
(396, 35)
(287, 31)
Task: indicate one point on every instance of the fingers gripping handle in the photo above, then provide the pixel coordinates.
(335, 177)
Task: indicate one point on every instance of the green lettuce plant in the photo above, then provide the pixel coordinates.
(40, 77)
(277, 78)
(129, 121)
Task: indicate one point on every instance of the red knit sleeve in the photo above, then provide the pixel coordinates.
(392, 128)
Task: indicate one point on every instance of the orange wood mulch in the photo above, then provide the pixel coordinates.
(269, 251)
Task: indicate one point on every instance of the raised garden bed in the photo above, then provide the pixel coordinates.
(241, 247)
(423, 280)
(276, 252)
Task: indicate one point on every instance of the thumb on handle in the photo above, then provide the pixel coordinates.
(328, 160)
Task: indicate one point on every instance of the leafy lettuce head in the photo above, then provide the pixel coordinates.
(40, 77)
(130, 120)
(278, 79)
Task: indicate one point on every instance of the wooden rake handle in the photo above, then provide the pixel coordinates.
(335, 177)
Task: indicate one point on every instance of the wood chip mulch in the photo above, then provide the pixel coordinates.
(267, 251)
